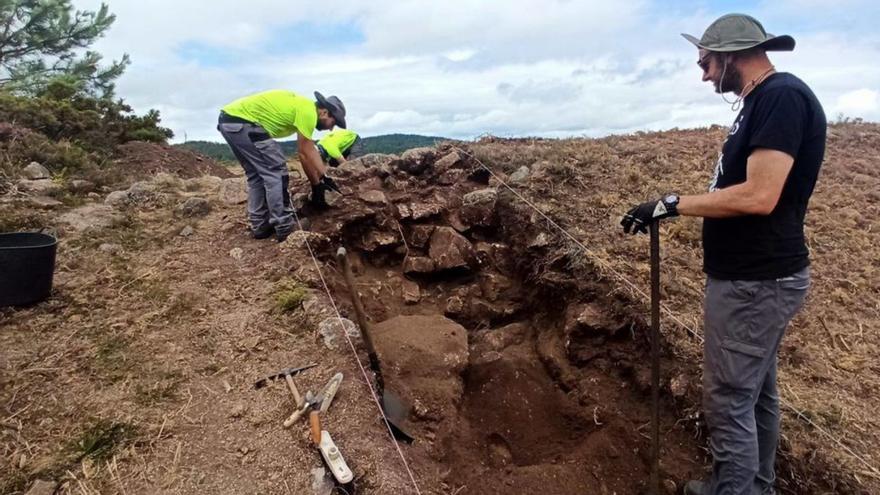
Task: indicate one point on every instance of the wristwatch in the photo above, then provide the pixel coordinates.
(671, 202)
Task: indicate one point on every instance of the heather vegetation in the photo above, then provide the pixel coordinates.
(57, 103)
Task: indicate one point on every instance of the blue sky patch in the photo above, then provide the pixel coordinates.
(303, 37)
(206, 55)
(311, 37)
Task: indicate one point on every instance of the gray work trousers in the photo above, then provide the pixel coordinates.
(267, 177)
(744, 324)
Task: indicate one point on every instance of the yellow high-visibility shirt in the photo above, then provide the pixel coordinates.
(337, 142)
(279, 111)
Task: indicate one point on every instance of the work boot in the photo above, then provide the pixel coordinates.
(263, 232)
(281, 235)
(694, 487)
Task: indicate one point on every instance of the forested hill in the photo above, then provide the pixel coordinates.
(388, 143)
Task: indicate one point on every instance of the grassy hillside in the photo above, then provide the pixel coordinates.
(388, 143)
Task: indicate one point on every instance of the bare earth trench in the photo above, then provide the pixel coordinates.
(526, 362)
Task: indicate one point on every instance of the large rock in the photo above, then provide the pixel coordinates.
(418, 265)
(418, 211)
(194, 207)
(448, 161)
(333, 328)
(371, 160)
(497, 339)
(39, 187)
(302, 240)
(590, 319)
(485, 344)
(423, 358)
(142, 192)
(45, 202)
(117, 199)
(494, 285)
(415, 161)
(450, 250)
(378, 239)
(205, 183)
(91, 216)
(478, 207)
(420, 234)
(233, 191)
(452, 176)
(425, 210)
(411, 291)
(81, 186)
(36, 171)
(373, 197)
(521, 175)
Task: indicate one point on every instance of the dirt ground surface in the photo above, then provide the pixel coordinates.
(522, 351)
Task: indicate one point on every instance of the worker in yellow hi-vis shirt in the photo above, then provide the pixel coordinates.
(251, 124)
(336, 147)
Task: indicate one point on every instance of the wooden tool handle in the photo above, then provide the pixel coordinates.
(294, 417)
(315, 426)
(292, 386)
(366, 332)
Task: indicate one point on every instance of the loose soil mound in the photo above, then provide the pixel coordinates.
(141, 160)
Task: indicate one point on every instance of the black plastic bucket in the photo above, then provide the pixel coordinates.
(27, 263)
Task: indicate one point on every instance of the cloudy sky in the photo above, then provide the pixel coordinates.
(467, 68)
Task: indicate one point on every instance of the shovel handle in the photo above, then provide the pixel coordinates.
(655, 357)
(361, 317)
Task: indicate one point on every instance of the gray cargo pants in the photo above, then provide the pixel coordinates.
(744, 324)
(266, 170)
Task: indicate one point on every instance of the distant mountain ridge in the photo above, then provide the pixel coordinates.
(387, 143)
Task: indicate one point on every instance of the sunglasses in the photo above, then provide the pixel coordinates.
(704, 62)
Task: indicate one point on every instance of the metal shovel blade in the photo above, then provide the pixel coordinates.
(396, 411)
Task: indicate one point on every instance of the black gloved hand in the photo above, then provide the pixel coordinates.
(328, 183)
(325, 184)
(640, 217)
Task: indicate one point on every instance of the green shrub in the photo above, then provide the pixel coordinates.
(67, 131)
(289, 295)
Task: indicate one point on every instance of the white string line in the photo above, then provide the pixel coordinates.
(357, 359)
(693, 331)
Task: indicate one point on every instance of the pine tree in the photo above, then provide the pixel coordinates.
(42, 41)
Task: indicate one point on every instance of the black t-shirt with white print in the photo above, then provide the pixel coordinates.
(782, 114)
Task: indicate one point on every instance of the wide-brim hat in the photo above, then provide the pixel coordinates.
(334, 106)
(735, 32)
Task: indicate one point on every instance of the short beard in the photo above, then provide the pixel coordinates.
(321, 127)
(731, 80)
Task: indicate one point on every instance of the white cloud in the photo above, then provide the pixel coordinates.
(462, 69)
(863, 103)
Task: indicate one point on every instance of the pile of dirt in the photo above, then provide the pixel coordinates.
(140, 160)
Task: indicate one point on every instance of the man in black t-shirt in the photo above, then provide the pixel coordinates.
(755, 256)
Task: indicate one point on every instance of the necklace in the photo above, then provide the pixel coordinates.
(756, 81)
(750, 86)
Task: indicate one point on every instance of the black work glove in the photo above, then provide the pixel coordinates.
(640, 217)
(325, 184)
(329, 184)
